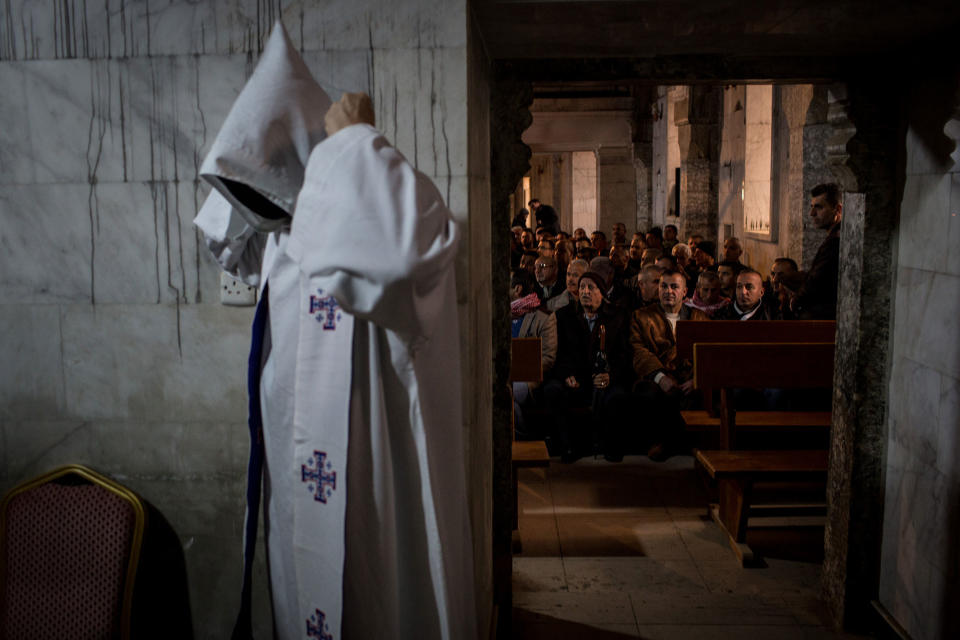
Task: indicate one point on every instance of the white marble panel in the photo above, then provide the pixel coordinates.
(108, 121)
(156, 362)
(915, 409)
(46, 255)
(921, 159)
(169, 110)
(926, 311)
(925, 223)
(116, 359)
(35, 447)
(917, 541)
(16, 165)
(948, 447)
(31, 378)
(348, 23)
(120, 28)
(163, 449)
(144, 244)
(953, 230)
(341, 71)
(211, 380)
(47, 127)
(185, 27)
(420, 103)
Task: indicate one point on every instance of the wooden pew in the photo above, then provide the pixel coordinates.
(691, 332)
(736, 472)
(729, 366)
(526, 365)
(788, 365)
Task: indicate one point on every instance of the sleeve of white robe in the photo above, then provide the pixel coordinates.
(374, 232)
(234, 244)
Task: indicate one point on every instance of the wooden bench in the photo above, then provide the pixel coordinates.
(525, 366)
(728, 366)
(790, 365)
(735, 473)
(691, 332)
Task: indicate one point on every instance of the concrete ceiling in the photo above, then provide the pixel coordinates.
(520, 29)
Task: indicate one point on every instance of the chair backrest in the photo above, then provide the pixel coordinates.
(526, 364)
(69, 549)
(792, 365)
(690, 332)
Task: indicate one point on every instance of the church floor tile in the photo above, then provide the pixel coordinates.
(627, 551)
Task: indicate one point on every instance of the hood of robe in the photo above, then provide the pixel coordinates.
(257, 160)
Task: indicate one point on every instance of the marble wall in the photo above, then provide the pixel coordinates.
(118, 353)
(920, 564)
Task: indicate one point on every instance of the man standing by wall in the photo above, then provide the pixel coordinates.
(545, 215)
(817, 298)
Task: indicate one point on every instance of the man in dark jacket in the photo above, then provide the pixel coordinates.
(817, 298)
(749, 303)
(545, 215)
(582, 378)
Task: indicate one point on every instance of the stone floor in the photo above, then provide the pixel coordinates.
(627, 551)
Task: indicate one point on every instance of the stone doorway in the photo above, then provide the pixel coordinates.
(863, 152)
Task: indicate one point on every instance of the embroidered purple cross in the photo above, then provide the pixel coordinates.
(322, 480)
(317, 628)
(329, 308)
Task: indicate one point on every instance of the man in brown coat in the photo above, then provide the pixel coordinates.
(664, 383)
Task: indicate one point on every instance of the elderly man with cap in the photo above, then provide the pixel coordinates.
(615, 290)
(592, 369)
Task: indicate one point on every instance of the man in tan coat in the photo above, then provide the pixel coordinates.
(530, 319)
(664, 383)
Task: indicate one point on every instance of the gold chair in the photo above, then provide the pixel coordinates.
(70, 545)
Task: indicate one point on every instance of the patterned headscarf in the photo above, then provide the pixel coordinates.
(522, 306)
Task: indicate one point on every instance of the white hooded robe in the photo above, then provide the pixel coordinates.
(366, 517)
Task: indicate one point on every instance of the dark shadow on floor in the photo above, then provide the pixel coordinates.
(547, 628)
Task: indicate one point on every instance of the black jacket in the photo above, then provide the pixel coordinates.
(577, 345)
(817, 298)
(729, 312)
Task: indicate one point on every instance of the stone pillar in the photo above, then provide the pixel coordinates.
(795, 102)
(616, 188)
(509, 161)
(698, 128)
(641, 133)
(816, 133)
(865, 165)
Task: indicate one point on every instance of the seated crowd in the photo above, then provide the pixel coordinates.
(607, 316)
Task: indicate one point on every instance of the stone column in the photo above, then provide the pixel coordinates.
(510, 100)
(795, 102)
(616, 188)
(865, 165)
(698, 129)
(641, 133)
(816, 133)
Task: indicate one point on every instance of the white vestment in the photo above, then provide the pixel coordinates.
(366, 514)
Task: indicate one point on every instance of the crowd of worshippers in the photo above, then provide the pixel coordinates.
(606, 313)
